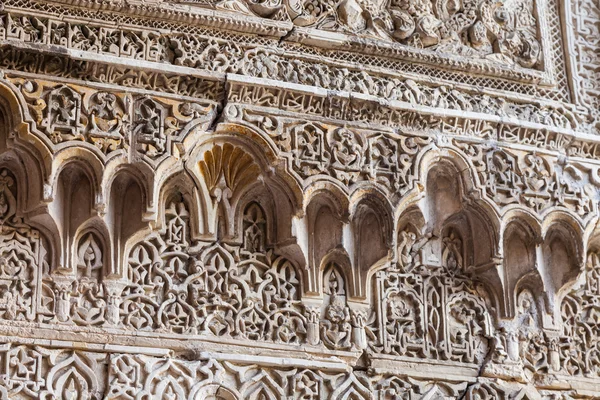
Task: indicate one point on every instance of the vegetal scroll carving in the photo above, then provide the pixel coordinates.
(63, 115)
(21, 257)
(534, 180)
(178, 286)
(149, 127)
(109, 120)
(502, 32)
(427, 311)
(579, 346)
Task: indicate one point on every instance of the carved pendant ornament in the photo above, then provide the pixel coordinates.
(299, 199)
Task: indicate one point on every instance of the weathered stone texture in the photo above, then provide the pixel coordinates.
(299, 199)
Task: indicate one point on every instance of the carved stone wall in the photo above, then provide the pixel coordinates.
(299, 199)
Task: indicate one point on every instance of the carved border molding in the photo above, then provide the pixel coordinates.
(407, 93)
(122, 373)
(524, 124)
(352, 56)
(247, 24)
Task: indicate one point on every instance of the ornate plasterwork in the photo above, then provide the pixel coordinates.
(299, 200)
(504, 34)
(110, 121)
(581, 333)
(209, 87)
(62, 372)
(193, 46)
(586, 27)
(223, 284)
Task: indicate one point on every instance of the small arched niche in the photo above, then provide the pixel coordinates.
(276, 205)
(484, 231)
(443, 194)
(257, 211)
(562, 262)
(125, 212)
(90, 256)
(371, 240)
(519, 249)
(410, 238)
(371, 226)
(443, 201)
(26, 170)
(325, 227)
(457, 231)
(72, 205)
(254, 229)
(178, 196)
(228, 171)
(335, 314)
(455, 242)
(14, 180)
(177, 221)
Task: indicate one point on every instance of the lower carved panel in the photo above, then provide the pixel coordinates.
(44, 372)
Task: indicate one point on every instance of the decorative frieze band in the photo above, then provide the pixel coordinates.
(198, 49)
(32, 371)
(352, 151)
